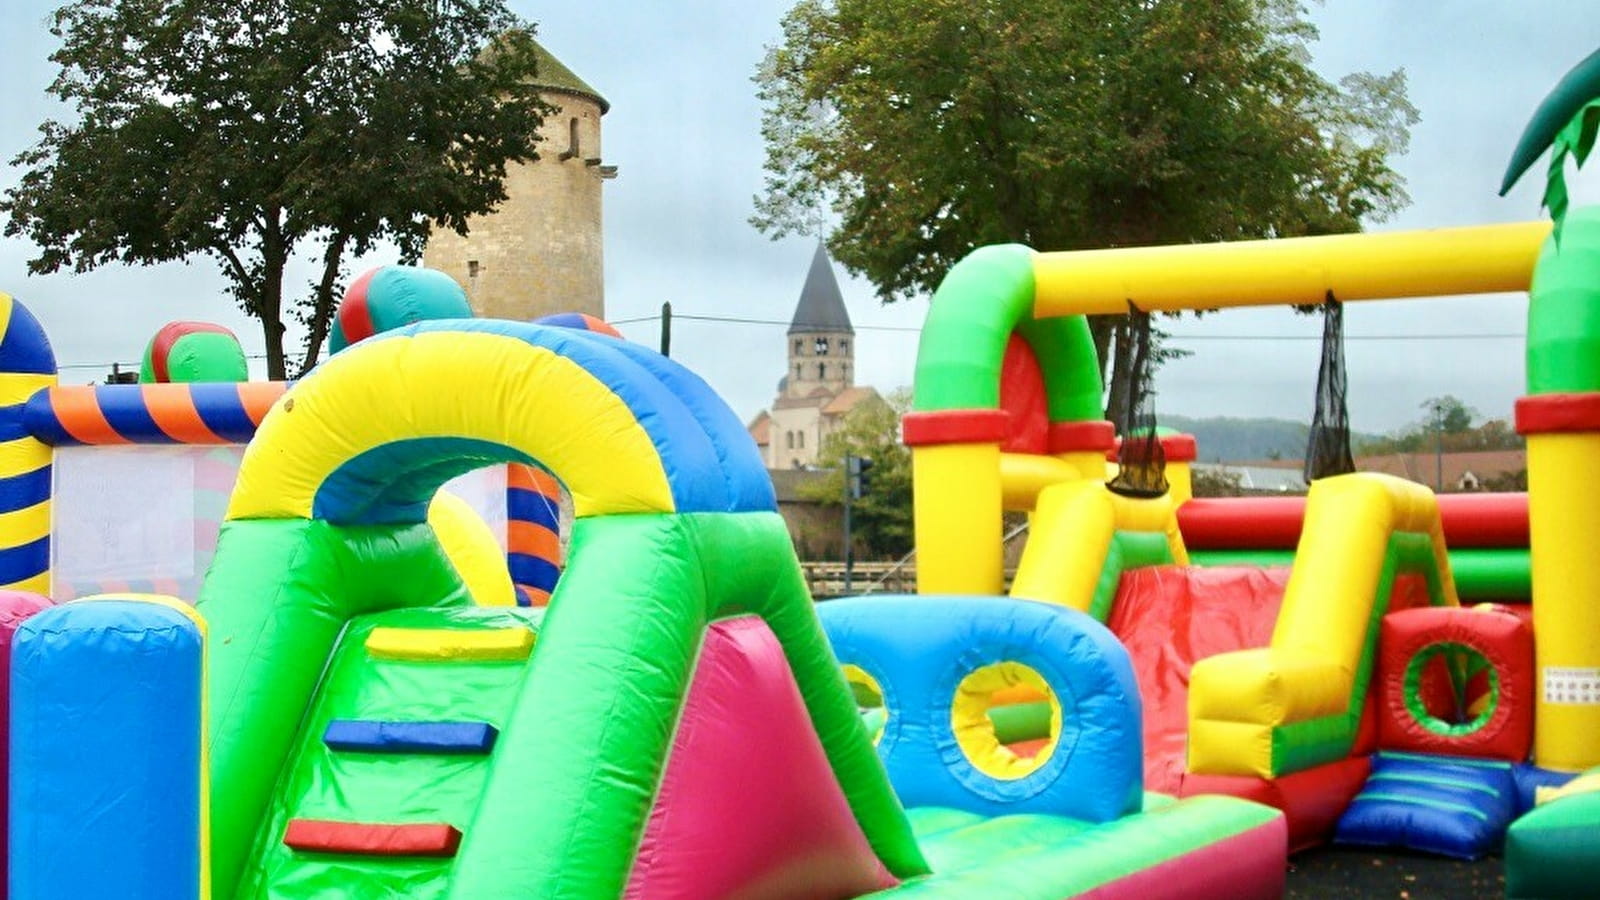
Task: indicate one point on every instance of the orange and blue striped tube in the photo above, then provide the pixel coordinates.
(201, 413)
(533, 532)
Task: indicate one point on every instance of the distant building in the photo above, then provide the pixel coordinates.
(818, 388)
(1479, 470)
(1258, 479)
(540, 252)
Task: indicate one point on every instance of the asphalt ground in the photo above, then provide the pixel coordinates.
(1353, 872)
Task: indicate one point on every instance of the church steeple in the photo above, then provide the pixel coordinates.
(821, 354)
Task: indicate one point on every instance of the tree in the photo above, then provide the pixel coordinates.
(881, 518)
(1448, 415)
(1446, 427)
(249, 130)
(926, 128)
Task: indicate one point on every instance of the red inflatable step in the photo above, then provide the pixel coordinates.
(365, 839)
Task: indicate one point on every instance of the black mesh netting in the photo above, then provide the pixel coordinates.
(1328, 448)
(1141, 464)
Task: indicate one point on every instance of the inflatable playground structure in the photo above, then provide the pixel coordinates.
(333, 678)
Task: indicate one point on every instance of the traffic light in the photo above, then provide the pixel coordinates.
(857, 469)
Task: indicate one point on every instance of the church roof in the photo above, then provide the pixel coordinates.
(847, 400)
(821, 307)
(554, 75)
(761, 429)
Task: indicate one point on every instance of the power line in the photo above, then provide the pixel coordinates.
(131, 365)
(1348, 337)
(738, 320)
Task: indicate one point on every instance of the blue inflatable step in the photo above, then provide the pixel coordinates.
(1449, 805)
(372, 736)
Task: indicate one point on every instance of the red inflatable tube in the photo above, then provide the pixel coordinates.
(1417, 700)
(1273, 523)
(1242, 523)
(1312, 800)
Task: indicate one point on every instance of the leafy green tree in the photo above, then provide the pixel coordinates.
(881, 518)
(251, 130)
(925, 128)
(1447, 426)
(1448, 415)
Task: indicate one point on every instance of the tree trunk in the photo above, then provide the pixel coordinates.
(1121, 374)
(269, 308)
(322, 309)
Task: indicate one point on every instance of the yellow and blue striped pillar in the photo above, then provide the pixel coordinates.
(27, 366)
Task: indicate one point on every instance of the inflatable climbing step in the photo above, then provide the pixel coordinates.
(388, 768)
(1450, 805)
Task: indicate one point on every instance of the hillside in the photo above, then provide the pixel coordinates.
(1237, 440)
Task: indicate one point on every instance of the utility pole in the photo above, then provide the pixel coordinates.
(1438, 447)
(849, 549)
(855, 484)
(666, 328)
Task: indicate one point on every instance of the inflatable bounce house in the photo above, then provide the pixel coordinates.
(1342, 682)
(378, 692)
(359, 704)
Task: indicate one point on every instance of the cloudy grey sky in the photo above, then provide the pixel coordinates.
(683, 128)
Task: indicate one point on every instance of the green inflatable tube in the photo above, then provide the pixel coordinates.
(1021, 721)
(1493, 573)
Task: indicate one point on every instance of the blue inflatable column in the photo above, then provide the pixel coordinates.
(106, 752)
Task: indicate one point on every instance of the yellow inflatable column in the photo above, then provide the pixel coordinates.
(955, 474)
(1560, 417)
(1563, 432)
(1179, 451)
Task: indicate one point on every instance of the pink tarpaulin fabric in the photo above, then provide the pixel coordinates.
(748, 805)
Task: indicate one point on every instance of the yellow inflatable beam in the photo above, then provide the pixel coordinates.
(1295, 703)
(1073, 528)
(1385, 265)
(1024, 475)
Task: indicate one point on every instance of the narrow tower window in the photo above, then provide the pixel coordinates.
(822, 346)
(822, 370)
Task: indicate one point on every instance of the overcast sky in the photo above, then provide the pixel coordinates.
(683, 129)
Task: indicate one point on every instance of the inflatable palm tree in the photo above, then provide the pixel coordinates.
(1566, 122)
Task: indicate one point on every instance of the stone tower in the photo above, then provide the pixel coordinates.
(541, 251)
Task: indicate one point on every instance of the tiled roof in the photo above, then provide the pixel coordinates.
(555, 75)
(847, 400)
(761, 429)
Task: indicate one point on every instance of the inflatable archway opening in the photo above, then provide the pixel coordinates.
(966, 676)
(870, 700)
(1456, 681)
(1451, 689)
(982, 719)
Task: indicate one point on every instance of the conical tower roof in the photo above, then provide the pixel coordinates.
(554, 75)
(821, 307)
